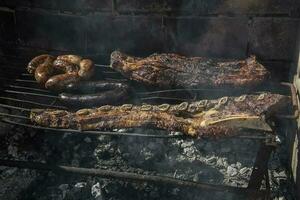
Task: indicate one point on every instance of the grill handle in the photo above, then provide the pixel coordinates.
(294, 102)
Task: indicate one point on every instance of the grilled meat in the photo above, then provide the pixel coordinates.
(38, 60)
(56, 73)
(44, 70)
(206, 118)
(172, 70)
(95, 93)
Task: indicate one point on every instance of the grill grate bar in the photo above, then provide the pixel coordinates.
(19, 80)
(31, 94)
(96, 133)
(14, 116)
(26, 81)
(110, 72)
(14, 107)
(28, 88)
(127, 176)
(165, 98)
(179, 90)
(33, 103)
(116, 79)
(26, 74)
(56, 97)
(104, 66)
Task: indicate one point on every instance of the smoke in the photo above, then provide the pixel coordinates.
(220, 30)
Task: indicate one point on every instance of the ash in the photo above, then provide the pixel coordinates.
(222, 161)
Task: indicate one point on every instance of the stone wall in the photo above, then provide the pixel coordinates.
(218, 28)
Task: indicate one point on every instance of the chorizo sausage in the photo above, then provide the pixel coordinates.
(44, 71)
(86, 69)
(70, 58)
(59, 82)
(57, 72)
(65, 67)
(35, 62)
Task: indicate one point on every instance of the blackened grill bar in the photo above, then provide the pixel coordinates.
(127, 176)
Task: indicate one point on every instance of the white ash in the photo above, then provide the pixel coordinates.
(222, 161)
(96, 191)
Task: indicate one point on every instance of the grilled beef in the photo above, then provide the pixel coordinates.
(172, 70)
(220, 117)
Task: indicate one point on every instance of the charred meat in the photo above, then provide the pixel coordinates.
(205, 118)
(172, 70)
(95, 93)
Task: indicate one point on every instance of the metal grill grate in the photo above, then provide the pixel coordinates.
(21, 93)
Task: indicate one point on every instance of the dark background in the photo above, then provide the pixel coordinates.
(94, 28)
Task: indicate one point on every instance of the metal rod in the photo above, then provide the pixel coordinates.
(28, 88)
(116, 79)
(19, 80)
(260, 166)
(99, 65)
(179, 90)
(15, 107)
(268, 187)
(31, 94)
(92, 132)
(254, 137)
(125, 176)
(14, 116)
(26, 81)
(26, 74)
(110, 72)
(8, 66)
(33, 103)
(165, 98)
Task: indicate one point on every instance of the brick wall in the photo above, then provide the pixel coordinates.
(220, 28)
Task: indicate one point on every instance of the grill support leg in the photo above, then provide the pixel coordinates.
(260, 168)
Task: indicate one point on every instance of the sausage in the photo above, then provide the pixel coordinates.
(59, 82)
(86, 65)
(71, 69)
(70, 58)
(44, 71)
(116, 96)
(86, 68)
(35, 62)
(65, 67)
(95, 86)
(73, 63)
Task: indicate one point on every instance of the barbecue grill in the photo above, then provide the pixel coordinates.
(20, 93)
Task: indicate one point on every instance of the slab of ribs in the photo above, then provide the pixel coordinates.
(205, 118)
(171, 70)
